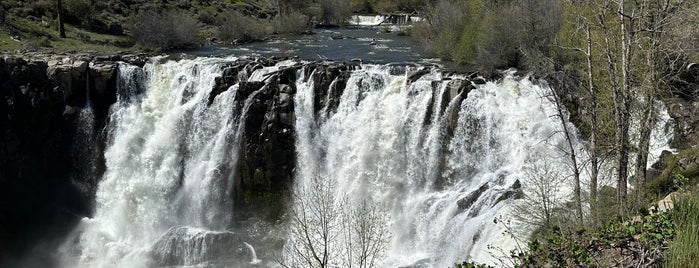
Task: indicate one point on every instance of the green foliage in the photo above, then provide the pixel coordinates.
(291, 22)
(679, 181)
(238, 28)
(637, 234)
(471, 265)
(682, 250)
(670, 239)
(491, 35)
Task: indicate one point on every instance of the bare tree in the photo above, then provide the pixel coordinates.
(570, 151)
(365, 235)
(543, 185)
(328, 231)
(314, 217)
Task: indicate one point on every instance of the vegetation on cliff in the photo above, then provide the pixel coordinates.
(615, 65)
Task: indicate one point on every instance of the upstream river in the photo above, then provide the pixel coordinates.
(378, 45)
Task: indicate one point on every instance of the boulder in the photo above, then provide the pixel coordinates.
(191, 246)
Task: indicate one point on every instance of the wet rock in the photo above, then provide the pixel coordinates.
(329, 82)
(191, 246)
(478, 80)
(287, 89)
(227, 79)
(515, 192)
(70, 111)
(102, 86)
(686, 121)
(247, 88)
(286, 102)
(415, 75)
(467, 202)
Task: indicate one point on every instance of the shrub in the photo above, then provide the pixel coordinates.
(292, 22)
(488, 35)
(238, 28)
(166, 30)
(2, 15)
(79, 11)
(333, 12)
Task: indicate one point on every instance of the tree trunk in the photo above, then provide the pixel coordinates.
(623, 103)
(644, 144)
(573, 158)
(594, 165)
(59, 12)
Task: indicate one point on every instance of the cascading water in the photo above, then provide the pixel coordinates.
(170, 160)
(440, 158)
(387, 142)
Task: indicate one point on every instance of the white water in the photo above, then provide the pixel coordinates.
(170, 160)
(376, 148)
(253, 254)
(359, 20)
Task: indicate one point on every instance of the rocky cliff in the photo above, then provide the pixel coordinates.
(40, 99)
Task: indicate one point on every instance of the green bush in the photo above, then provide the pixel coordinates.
(79, 11)
(292, 22)
(489, 35)
(166, 30)
(238, 28)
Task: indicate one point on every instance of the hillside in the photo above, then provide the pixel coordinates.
(117, 25)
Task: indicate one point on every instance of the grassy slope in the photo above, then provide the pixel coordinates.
(37, 37)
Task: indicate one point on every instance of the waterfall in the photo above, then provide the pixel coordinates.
(387, 143)
(170, 159)
(358, 20)
(433, 162)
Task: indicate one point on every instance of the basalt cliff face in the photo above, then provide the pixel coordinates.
(41, 97)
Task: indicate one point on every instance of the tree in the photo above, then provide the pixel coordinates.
(365, 235)
(166, 30)
(334, 12)
(562, 116)
(543, 185)
(664, 47)
(632, 50)
(329, 231)
(59, 12)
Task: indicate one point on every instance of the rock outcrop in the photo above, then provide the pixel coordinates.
(41, 96)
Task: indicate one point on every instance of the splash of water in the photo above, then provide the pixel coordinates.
(387, 142)
(170, 160)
